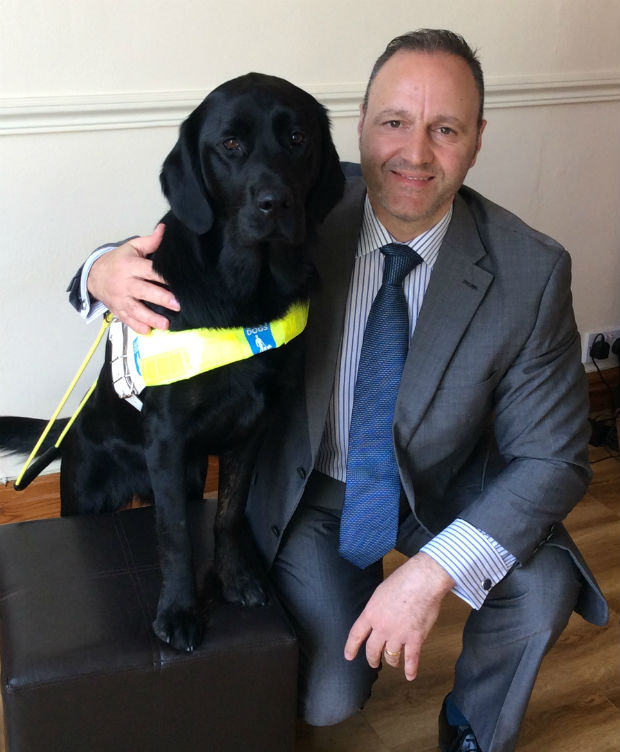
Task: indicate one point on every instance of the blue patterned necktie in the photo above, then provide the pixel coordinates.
(369, 523)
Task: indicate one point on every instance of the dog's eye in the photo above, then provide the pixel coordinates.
(232, 144)
(298, 138)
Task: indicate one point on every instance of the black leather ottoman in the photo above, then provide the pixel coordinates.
(82, 671)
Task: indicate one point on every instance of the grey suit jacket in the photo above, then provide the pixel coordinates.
(491, 417)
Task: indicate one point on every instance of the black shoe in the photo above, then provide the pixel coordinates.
(455, 738)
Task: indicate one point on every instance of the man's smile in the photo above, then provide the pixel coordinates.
(414, 179)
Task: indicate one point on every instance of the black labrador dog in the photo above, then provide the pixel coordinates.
(254, 171)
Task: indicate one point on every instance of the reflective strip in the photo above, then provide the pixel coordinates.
(163, 357)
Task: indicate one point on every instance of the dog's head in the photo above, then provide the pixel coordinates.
(257, 153)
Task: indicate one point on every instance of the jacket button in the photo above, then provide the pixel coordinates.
(301, 472)
(275, 530)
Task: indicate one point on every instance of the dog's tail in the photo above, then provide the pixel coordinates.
(19, 436)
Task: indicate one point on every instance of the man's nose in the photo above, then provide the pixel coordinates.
(418, 147)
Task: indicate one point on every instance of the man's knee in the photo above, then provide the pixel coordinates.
(332, 696)
(545, 589)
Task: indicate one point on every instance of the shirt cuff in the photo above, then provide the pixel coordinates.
(90, 308)
(474, 560)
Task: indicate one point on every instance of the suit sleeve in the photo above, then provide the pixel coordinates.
(541, 429)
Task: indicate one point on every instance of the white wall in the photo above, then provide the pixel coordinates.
(92, 91)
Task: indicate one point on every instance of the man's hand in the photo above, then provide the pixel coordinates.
(400, 614)
(123, 277)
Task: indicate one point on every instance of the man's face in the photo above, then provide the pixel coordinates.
(418, 138)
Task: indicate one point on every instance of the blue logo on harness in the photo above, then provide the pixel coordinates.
(260, 338)
(136, 356)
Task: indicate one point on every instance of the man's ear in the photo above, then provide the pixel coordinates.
(483, 125)
(360, 122)
(181, 176)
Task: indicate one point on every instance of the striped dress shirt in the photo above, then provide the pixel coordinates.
(474, 560)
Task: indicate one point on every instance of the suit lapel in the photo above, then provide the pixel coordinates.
(456, 289)
(333, 258)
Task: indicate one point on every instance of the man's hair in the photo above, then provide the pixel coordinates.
(432, 40)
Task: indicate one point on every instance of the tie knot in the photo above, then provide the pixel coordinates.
(400, 259)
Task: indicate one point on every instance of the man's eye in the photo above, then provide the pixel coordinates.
(232, 144)
(445, 131)
(394, 123)
(297, 138)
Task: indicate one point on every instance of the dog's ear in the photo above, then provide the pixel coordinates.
(181, 177)
(329, 186)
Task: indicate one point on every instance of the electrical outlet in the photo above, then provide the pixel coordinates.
(611, 335)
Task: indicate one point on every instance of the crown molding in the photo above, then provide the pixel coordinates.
(538, 91)
(91, 112)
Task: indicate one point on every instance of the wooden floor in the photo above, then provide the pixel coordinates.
(576, 702)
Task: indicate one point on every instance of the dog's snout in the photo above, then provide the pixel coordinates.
(266, 202)
(270, 203)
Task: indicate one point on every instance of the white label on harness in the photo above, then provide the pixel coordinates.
(125, 361)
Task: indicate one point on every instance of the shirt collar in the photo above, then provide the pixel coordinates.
(373, 236)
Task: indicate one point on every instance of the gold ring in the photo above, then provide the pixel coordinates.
(391, 653)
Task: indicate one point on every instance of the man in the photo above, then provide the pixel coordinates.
(489, 428)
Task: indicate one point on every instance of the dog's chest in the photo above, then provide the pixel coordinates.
(218, 409)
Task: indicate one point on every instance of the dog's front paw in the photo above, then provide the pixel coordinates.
(181, 628)
(241, 584)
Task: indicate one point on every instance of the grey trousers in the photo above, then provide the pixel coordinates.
(503, 643)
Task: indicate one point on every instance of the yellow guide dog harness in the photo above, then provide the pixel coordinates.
(163, 357)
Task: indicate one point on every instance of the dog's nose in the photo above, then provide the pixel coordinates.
(270, 203)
